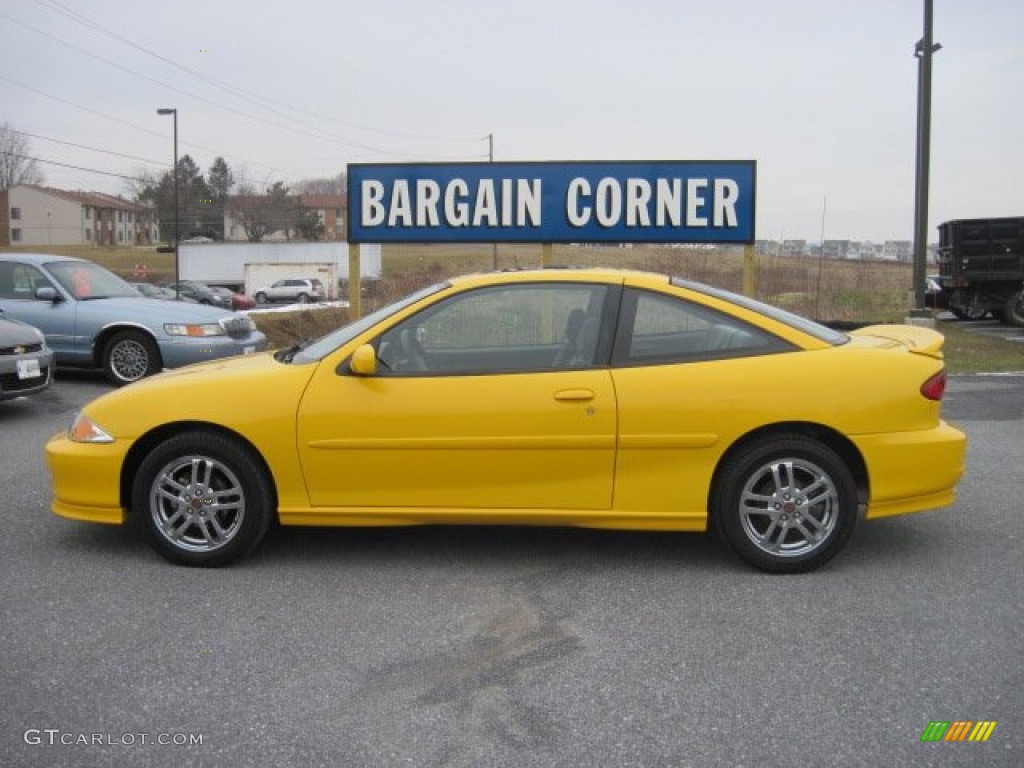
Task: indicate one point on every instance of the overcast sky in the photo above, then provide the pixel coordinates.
(822, 95)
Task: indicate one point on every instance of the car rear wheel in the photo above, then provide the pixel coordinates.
(303, 298)
(202, 499)
(130, 356)
(785, 504)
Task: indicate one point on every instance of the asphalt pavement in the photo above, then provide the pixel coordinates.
(514, 647)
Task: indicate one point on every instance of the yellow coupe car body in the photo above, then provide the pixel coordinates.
(470, 403)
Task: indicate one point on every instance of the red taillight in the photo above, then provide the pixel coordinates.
(935, 387)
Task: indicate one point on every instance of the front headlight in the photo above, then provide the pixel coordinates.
(83, 430)
(188, 329)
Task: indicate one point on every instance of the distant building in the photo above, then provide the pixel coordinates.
(40, 216)
(836, 249)
(794, 247)
(863, 249)
(330, 210)
(897, 250)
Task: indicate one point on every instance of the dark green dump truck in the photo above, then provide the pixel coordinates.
(981, 267)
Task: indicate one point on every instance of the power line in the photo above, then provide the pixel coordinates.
(238, 91)
(93, 149)
(108, 62)
(80, 168)
(126, 122)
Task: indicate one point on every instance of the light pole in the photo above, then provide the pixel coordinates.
(923, 51)
(176, 274)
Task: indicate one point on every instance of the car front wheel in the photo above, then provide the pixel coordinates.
(785, 505)
(202, 499)
(130, 356)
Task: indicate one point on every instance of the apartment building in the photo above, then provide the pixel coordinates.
(40, 216)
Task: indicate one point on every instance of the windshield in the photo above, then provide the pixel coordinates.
(818, 331)
(327, 344)
(85, 280)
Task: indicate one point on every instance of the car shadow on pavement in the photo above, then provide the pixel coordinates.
(491, 545)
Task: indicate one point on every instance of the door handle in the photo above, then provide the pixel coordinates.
(574, 395)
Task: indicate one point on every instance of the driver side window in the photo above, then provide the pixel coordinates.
(504, 329)
(20, 281)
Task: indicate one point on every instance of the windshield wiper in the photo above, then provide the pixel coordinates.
(288, 354)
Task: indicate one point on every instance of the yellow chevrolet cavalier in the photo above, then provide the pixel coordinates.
(593, 398)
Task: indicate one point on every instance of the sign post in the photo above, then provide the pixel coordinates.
(355, 292)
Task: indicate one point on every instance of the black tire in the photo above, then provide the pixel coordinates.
(129, 356)
(968, 314)
(1013, 311)
(202, 499)
(778, 528)
(303, 298)
(261, 298)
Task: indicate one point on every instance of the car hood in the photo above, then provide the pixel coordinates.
(15, 333)
(141, 308)
(243, 394)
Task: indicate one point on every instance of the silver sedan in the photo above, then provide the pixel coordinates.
(26, 363)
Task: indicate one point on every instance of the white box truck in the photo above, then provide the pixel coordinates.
(225, 263)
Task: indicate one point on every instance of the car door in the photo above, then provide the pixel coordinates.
(56, 319)
(280, 290)
(472, 408)
(686, 378)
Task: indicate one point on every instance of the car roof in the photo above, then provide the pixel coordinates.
(38, 258)
(556, 274)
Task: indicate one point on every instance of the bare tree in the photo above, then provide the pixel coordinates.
(332, 186)
(16, 163)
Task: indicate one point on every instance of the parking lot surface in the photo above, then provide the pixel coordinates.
(514, 647)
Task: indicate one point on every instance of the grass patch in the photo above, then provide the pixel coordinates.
(971, 352)
(284, 329)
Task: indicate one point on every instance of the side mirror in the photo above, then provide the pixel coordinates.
(364, 361)
(48, 293)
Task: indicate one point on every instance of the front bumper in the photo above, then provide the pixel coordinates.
(13, 385)
(177, 351)
(86, 479)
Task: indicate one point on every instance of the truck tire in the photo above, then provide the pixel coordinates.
(1013, 312)
(970, 313)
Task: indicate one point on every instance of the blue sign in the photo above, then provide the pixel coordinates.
(575, 202)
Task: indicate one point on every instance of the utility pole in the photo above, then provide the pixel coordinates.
(923, 51)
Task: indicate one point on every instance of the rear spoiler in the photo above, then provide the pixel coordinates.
(917, 339)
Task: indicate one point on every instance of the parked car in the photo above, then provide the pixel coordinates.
(159, 292)
(299, 290)
(594, 398)
(26, 363)
(239, 301)
(200, 293)
(197, 240)
(93, 318)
